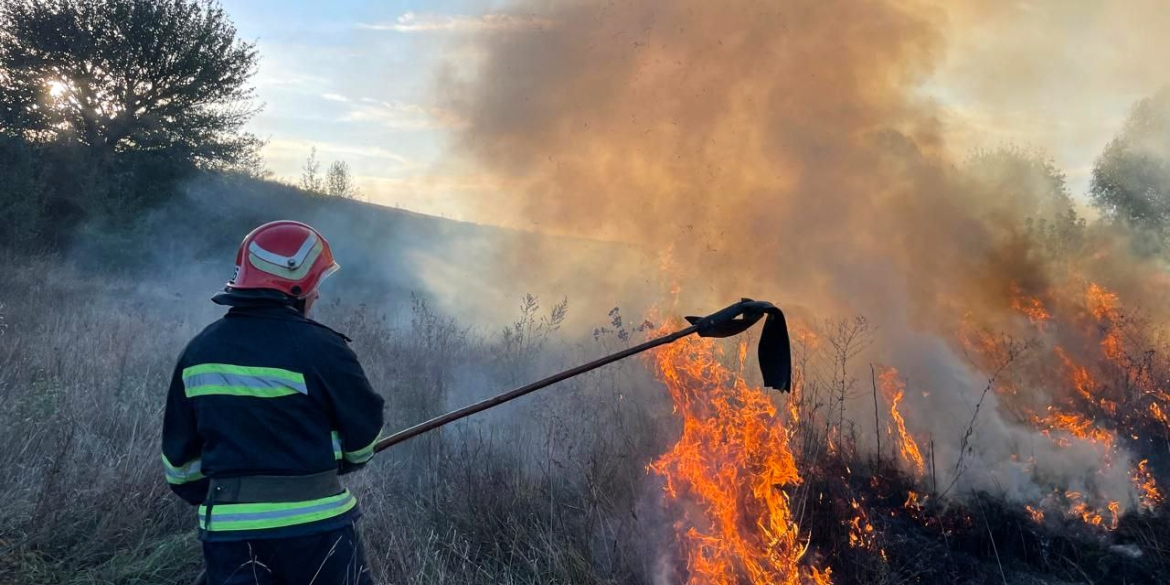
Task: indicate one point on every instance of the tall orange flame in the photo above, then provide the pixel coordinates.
(894, 389)
(1081, 378)
(730, 467)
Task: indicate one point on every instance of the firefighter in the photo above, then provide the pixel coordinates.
(266, 409)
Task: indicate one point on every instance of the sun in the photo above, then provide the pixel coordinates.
(57, 88)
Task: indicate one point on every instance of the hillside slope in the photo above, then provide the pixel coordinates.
(468, 270)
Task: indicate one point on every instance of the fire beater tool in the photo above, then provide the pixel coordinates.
(775, 357)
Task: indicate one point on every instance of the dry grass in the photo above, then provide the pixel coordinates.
(542, 491)
(551, 489)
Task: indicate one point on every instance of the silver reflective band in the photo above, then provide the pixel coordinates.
(286, 261)
(288, 513)
(260, 516)
(180, 474)
(235, 380)
(364, 454)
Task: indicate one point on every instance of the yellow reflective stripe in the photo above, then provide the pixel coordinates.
(336, 445)
(180, 474)
(231, 380)
(239, 391)
(244, 371)
(227, 517)
(364, 454)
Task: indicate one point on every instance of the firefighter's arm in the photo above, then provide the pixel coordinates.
(182, 447)
(355, 404)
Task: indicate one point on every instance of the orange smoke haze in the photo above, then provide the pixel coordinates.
(800, 152)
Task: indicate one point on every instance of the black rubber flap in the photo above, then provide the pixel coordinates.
(775, 350)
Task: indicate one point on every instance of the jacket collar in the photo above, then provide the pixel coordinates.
(267, 303)
(256, 299)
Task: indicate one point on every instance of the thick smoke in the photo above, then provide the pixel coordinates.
(783, 150)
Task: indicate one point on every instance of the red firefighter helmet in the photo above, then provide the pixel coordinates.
(287, 256)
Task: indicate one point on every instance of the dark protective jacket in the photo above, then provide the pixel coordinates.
(265, 391)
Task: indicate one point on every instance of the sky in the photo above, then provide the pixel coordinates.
(357, 80)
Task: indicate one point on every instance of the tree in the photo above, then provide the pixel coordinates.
(166, 76)
(20, 197)
(339, 183)
(1026, 180)
(311, 174)
(1131, 179)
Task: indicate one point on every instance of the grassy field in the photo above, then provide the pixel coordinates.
(551, 489)
(547, 490)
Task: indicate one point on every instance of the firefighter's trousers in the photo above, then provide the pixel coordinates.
(328, 558)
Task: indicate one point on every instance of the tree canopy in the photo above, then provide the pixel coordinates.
(127, 75)
(1131, 179)
(1027, 181)
(339, 181)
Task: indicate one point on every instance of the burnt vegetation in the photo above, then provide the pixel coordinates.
(873, 519)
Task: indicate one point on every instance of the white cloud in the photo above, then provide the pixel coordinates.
(393, 115)
(397, 115)
(411, 22)
(436, 183)
(279, 78)
(297, 150)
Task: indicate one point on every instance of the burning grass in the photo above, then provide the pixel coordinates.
(729, 473)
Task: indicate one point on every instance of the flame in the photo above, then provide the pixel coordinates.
(733, 465)
(1078, 426)
(1080, 509)
(1030, 307)
(976, 341)
(1081, 378)
(1149, 495)
(816, 577)
(1036, 515)
(1104, 305)
(1158, 414)
(912, 501)
(861, 532)
(730, 467)
(1103, 387)
(1101, 302)
(808, 341)
(893, 388)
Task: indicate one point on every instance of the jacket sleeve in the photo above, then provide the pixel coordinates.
(182, 448)
(357, 408)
